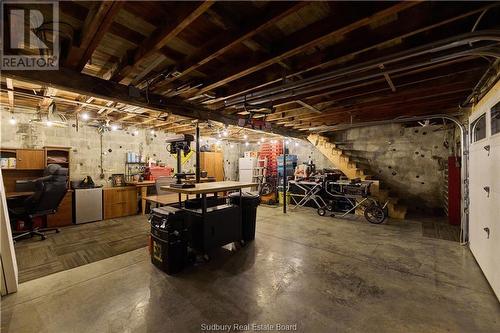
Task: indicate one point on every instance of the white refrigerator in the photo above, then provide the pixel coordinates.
(247, 167)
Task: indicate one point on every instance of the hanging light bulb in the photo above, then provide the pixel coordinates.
(225, 133)
(85, 116)
(152, 131)
(231, 145)
(246, 143)
(287, 142)
(13, 120)
(219, 136)
(136, 132)
(48, 123)
(262, 139)
(114, 127)
(296, 143)
(245, 137)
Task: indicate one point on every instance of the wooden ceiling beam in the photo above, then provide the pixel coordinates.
(158, 39)
(363, 111)
(10, 93)
(72, 81)
(97, 23)
(408, 97)
(221, 44)
(47, 92)
(401, 79)
(330, 27)
(355, 46)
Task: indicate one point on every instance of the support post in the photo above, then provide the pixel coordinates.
(197, 153)
(284, 176)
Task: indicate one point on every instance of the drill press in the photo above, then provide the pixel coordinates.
(180, 144)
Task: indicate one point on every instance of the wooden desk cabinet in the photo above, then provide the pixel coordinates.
(119, 201)
(64, 215)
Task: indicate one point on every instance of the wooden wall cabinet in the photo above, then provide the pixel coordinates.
(213, 164)
(64, 215)
(30, 159)
(119, 201)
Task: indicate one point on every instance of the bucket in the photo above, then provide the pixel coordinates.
(280, 197)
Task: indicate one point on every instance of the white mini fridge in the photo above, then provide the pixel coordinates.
(88, 204)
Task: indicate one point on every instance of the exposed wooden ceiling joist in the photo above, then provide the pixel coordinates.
(72, 81)
(158, 39)
(218, 46)
(304, 40)
(10, 85)
(357, 45)
(98, 21)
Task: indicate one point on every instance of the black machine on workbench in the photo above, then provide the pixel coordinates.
(180, 144)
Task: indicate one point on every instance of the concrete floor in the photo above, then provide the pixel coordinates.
(321, 273)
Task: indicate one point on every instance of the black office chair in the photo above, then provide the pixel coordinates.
(49, 192)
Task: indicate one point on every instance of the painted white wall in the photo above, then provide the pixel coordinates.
(484, 170)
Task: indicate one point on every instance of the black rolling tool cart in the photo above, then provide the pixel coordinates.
(169, 239)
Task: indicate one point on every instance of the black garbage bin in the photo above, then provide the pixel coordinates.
(249, 204)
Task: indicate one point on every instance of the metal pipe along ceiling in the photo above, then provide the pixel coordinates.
(292, 89)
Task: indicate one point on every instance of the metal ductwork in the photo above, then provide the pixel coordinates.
(458, 45)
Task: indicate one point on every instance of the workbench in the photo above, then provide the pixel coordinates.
(143, 188)
(215, 226)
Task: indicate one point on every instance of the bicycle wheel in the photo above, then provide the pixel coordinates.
(374, 214)
(265, 189)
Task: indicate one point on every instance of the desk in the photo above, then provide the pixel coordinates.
(12, 195)
(215, 226)
(64, 214)
(143, 187)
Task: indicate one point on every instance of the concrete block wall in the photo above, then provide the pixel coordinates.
(85, 146)
(409, 161)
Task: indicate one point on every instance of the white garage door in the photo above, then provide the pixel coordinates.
(484, 190)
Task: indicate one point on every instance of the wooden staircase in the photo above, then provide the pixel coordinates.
(344, 163)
